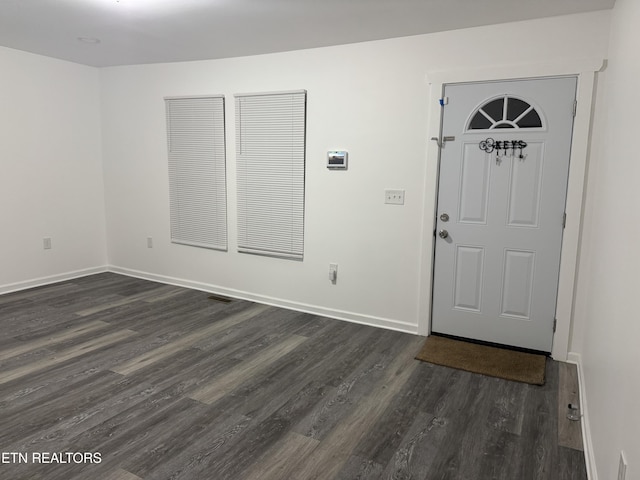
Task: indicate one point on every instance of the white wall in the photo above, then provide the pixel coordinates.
(51, 172)
(370, 99)
(607, 326)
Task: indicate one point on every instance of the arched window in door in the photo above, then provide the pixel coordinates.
(505, 112)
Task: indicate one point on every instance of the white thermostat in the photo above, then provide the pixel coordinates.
(337, 160)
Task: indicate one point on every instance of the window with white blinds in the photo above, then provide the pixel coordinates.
(197, 175)
(270, 146)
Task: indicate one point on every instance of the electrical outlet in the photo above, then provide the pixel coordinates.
(46, 243)
(333, 272)
(149, 242)
(622, 467)
(394, 197)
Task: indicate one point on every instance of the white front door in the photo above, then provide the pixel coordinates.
(501, 209)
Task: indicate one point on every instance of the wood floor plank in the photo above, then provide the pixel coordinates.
(82, 329)
(356, 387)
(161, 434)
(120, 474)
(142, 296)
(37, 294)
(70, 303)
(277, 387)
(128, 428)
(119, 438)
(53, 380)
(536, 456)
(278, 461)
(193, 462)
(571, 464)
(266, 429)
(181, 314)
(31, 319)
(46, 385)
(357, 468)
(385, 436)
(500, 450)
(507, 413)
(481, 442)
(56, 412)
(266, 328)
(334, 450)
(71, 353)
(221, 386)
(167, 294)
(162, 443)
(365, 344)
(465, 407)
(569, 431)
(187, 340)
(417, 450)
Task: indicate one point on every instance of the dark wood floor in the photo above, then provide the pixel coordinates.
(165, 383)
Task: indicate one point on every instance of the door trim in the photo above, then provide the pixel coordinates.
(585, 70)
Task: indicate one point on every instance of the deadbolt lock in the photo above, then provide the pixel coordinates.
(444, 217)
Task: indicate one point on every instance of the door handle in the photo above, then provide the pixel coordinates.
(443, 234)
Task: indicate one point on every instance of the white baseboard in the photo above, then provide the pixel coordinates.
(38, 282)
(589, 457)
(277, 302)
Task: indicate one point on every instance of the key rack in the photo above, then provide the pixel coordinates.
(489, 145)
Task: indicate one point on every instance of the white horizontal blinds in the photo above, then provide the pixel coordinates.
(270, 134)
(197, 176)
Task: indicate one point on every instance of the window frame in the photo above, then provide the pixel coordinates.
(505, 96)
(197, 172)
(271, 164)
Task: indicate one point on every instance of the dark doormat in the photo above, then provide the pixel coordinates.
(492, 361)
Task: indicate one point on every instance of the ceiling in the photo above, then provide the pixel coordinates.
(124, 32)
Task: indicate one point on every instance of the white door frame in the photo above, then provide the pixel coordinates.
(585, 70)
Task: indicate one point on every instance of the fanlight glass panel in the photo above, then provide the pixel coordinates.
(505, 112)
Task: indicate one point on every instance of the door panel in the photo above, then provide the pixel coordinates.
(517, 283)
(496, 272)
(468, 275)
(474, 185)
(524, 188)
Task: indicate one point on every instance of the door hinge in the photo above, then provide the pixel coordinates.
(575, 107)
(555, 324)
(564, 220)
